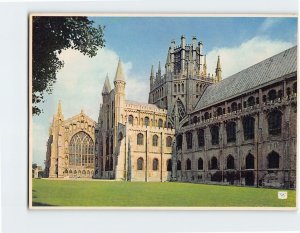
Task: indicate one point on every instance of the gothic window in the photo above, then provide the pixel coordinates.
(250, 161)
(231, 131)
(178, 165)
(248, 125)
(179, 141)
(130, 119)
(155, 165)
(295, 87)
(230, 162)
(140, 163)
(206, 115)
(188, 164)
(273, 160)
(200, 164)
(272, 94)
(182, 87)
(169, 165)
(81, 149)
(140, 139)
(200, 137)
(280, 94)
(288, 91)
(146, 121)
(160, 123)
(233, 106)
(195, 119)
(251, 101)
(155, 140)
(219, 111)
(274, 121)
(169, 141)
(214, 163)
(214, 135)
(189, 140)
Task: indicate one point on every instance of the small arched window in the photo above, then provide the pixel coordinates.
(182, 87)
(200, 164)
(272, 94)
(214, 163)
(169, 165)
(175, 88)
(178, 165)
(273, 160)
(230, 162)
(140, 139)
(248, 125)
(140, 163)
(219, 111)
(233, 106)
(160, 123)
(130, 119)
(200, 137)
(179, 142)
(195, 119)
(146, 121)
(155, 164)
(189, 140)
(169, 141)
(250, 161)
(231, 131)
(206, 115)
(274, 121)
(251, 101)
(188, 164)
(155, 140)
(214, 135)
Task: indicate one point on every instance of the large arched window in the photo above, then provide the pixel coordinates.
(140, 139)
(169, 165)
(189, 140)
(155, 165)
(272, 94)
(231, 131)
(274, 121)
(248, 125)
(130, 119)
(230, 162)
(214, 163)
(178, 165)
(155, 140)
(188, 164)
(200, 137)
(273, 160)
(250, 161)
(146, 120)
(214, 135)
(81, 149)
(169, 141)
(140, 163)
(200, 164)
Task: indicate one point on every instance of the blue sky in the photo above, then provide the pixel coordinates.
(141, 42)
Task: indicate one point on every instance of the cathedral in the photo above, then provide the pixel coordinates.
(195, 127)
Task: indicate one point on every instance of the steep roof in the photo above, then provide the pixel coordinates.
(254, 76)
(119, 73)
(131, 102)
(106, 87)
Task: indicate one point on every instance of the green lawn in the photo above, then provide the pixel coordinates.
(139, 194)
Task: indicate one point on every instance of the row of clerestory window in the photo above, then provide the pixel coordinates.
(146, 121)
(155, 164)
(140, 140)
(274, 128)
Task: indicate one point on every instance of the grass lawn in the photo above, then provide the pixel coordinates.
(139, 194)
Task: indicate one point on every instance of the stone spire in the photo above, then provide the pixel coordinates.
(218, 70)
(106, 87)
(59, 109)
(119, 73)
(204, 67)
(152, 76)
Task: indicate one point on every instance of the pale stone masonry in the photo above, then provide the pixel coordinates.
(196, 127)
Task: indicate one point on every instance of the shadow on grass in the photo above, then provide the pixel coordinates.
(34, 203)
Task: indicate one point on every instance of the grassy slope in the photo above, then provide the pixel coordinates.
(105, 193)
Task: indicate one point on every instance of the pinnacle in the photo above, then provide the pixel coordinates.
(119, 73)
(106, 87)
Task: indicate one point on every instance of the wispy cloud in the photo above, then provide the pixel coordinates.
(269, 23)
(235, 59)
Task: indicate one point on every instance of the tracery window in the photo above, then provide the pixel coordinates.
(155, 140)
(81, 150)
(200, 137)
(140, 139)
(273, 160)
(155, 164)
(248, 125)
(231, 131)
(214, 135)
(274, 121)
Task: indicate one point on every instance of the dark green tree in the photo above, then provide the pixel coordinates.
(51, 35)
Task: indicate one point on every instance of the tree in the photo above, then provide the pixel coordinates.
(51, 35)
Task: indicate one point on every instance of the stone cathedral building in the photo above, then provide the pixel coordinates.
(195, 127)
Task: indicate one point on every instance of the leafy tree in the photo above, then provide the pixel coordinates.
(51, 35)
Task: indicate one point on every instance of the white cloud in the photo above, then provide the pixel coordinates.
(235, 59)
(268, 23)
